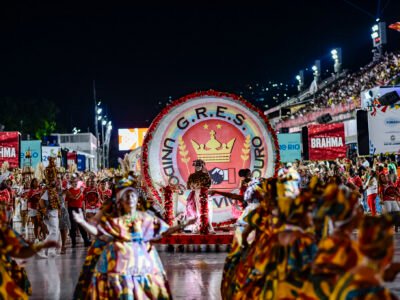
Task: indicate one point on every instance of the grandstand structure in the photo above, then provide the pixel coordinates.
(339, 97)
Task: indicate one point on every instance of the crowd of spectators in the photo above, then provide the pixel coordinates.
(377, 180)
(347, 90)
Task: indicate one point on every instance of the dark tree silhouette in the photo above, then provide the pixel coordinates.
(36, 117)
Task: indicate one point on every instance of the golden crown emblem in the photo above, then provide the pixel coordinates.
(213, 150)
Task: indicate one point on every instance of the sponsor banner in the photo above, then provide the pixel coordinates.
(48, 151)
(368, 97)
(9, 148)
(371, 97)
(222, 129)
(289, 146)
(130, 139)
(384, 130)
(326, 141)
(35, 149)
(81, 162)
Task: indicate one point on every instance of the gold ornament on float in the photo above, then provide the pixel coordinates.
(213, 150)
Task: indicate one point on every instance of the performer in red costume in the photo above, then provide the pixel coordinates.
(104, 191)
(75, 199)
(237, 209)
(92, 198)
(197, 202)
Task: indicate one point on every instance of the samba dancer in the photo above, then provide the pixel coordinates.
(14, 283)
(125, 268)
(50, 206)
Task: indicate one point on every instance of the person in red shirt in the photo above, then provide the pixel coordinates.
(389, 196)
(75, 201)
(355, 182)
(103, 190)
(92, 199)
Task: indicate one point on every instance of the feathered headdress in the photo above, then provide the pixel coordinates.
(72, 168)
(126, 165)
(39, 172)
(4, 167)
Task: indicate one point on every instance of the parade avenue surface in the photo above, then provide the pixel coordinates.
(192, 276)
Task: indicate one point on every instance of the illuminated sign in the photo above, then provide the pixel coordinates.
(131, 138)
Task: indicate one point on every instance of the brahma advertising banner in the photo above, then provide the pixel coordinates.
(384, 130)
(326, 141)
(48, 151)
(9, 148)
(289, 146)
(35, 149)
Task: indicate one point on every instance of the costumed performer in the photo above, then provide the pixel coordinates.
(252, 197)
(260, 221)
(14, 283)
(365, 281)
(291, 248)
(389, 196)
(338, 252)
(125, 268)
(237, 209)
(197, 205)
(33, 205)
(50, 206)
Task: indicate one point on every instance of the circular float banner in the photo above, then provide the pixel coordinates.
(222, 129)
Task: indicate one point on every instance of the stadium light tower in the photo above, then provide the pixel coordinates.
(378, 36)
(337, 58)
(107, 143)
(96, 119)
(300, 80)
(103, 158)
(316, 68)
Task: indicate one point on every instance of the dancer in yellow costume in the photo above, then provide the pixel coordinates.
(13, 280)
(336, 253)
(365, 281)
(261, 220)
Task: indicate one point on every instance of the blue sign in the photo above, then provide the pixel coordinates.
(81, 162)
(35, 147)
(289, 146)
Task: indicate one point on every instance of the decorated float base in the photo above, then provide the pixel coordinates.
(189, 242)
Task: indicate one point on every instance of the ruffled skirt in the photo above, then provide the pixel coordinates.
(128, 287)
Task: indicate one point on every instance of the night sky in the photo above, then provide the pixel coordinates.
(140, 55)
